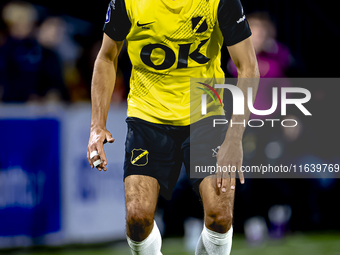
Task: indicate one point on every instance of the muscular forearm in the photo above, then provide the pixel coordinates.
(103, 80)
(246, 79)
(104, 77)
(243, 56)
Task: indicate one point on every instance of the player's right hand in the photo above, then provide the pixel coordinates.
(98, 137)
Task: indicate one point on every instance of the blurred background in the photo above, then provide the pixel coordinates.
(51, 201)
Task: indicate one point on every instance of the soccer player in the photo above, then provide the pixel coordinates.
(168, 42)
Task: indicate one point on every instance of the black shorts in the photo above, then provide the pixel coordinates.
(159, 150)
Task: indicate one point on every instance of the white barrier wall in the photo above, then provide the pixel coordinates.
(93, 201)
(91, 206)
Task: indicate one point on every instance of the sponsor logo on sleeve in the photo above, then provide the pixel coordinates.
(241, 19)
(108, 14)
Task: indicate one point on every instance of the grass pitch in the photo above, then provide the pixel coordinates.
(297, 244)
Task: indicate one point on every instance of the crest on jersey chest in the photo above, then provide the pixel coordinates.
(199, 24)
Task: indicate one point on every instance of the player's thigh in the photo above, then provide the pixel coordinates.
(153, 150)
(141, 194)
(218, 205)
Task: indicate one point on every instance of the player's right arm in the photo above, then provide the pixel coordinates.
(117, 26)
(103, 81)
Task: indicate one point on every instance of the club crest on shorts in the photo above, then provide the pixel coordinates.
(139, 157)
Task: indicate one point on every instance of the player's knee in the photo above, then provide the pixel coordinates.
(219, 221)
(138, 216)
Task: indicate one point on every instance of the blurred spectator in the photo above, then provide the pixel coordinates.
(264, 145)
(50, 62)
(273, 57)
(29, 70)
(55, 35)
(86, 65)
(20, 54)
(51, 84)
(20, 18)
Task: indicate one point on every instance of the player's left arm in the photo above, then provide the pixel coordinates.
(231, 151)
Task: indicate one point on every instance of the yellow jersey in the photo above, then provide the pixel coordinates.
(169, 42)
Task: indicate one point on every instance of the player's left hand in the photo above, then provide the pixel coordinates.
(229, 156)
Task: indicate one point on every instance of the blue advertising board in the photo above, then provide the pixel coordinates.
(30, 202)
